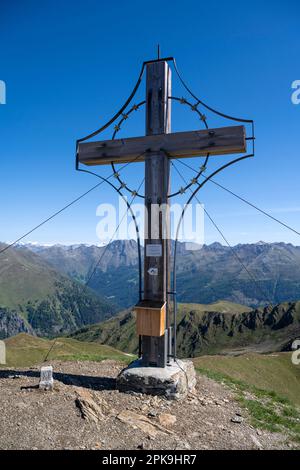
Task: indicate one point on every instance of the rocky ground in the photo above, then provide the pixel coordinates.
(84, 411)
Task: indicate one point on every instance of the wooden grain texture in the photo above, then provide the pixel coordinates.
(157, 188)
(218, 141)
(150, 321)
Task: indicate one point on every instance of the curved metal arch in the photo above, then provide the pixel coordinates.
(199, 173)
(192, 106)
(129, 99)
(135, 107)
(203, 118)
(134, 219)
(183, 190)
(215, 111)
(226, 116)
(122, 183)
(200, 185)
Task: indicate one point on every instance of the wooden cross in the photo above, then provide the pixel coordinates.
(153, 150)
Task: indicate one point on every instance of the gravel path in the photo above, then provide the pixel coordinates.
(84, 411)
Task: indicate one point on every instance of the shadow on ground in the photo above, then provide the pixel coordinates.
(91, 382)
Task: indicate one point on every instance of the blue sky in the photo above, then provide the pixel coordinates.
(69, 65)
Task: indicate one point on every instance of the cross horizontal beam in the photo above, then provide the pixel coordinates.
(219, 141)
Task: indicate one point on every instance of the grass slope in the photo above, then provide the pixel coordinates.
(24, 276)
(52, 303)
(273, 372)
(219, 328)
(120, 330)
(222, 306)
(268, 386)
(26, 350)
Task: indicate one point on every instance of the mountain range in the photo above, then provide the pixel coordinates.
(43, 292)
(220, 328)
(250, 274)
(34, 297)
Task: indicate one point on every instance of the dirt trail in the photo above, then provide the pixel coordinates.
(86, 412)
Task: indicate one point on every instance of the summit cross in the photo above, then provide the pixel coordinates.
(156, 149)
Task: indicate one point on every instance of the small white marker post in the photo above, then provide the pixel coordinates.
(46, 379)
(2, 353)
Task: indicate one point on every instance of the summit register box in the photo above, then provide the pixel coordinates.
(150, 318)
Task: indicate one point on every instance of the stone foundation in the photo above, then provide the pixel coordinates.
(173, 381)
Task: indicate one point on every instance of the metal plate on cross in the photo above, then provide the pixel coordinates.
(154, 250)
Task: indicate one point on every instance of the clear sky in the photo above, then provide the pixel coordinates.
(69, 65)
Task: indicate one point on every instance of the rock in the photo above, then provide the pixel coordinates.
(167, 420)
(173, 381)
(237, 419)
(208, 402)
(12, 323)
(155, 401)
(182, 445)
(193, 400)
(91, 409)
(218, 402)
(141, 422)
(152, 414)
(256, 442)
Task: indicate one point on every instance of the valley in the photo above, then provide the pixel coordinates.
(42, 293)
(206, 275)
(221, 328)
(34, 297)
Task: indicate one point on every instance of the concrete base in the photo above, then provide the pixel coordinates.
(173, 381)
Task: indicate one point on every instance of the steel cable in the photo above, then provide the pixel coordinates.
(98, 262)
(200, 185)
(244, 200)
(251, 276)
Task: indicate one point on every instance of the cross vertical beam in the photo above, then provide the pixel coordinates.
(157, 218)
